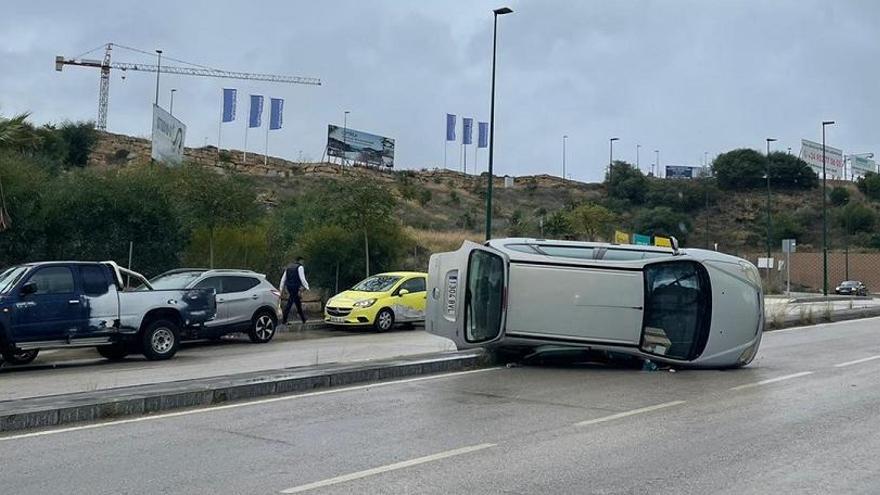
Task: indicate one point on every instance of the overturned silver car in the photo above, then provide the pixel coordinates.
(682, 307)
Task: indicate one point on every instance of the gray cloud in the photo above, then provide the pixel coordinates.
(684, 77)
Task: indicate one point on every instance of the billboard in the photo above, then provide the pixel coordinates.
(169, 135)
(360, 147)
(812, 154)
(858, 165)
(682, 172)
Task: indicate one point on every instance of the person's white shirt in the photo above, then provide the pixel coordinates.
(302, 278)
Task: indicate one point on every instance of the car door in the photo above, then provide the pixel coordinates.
(215, 282)
(240, 298)
(410, 300)
(53, 311)
(467, 295)
(100, 299)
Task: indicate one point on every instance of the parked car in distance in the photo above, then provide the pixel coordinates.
(381, 301)
(682, 307)
(64, 304)
(246, 301)
(851, 288)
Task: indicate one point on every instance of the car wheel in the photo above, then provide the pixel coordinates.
(384, 320)
(262, 327)
(20, 357)
(113, 352)
(160, 340)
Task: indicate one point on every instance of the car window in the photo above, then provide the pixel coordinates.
(377, 283)
(612, 254)
(484, 294)
(53, 280)
(210, 283)
(239, 284)
(414, 285)
(94, 280)
(10, 277)
(178, 280)
(523, 248)
(584, 253)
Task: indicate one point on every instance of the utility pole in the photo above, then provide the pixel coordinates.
(496, 12)
(158, 71)
(564, 138)
(824, 214)
(769, 228)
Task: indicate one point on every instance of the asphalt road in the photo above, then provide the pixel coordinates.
(801, 419)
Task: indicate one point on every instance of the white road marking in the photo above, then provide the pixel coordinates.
(389, 467)
(629, 413)
(772, 380)
(241, 404)
(857, 361)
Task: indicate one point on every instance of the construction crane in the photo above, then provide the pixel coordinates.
(196, 70)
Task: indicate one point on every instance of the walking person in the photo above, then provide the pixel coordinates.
(294, 280)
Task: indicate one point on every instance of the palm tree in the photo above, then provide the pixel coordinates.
(16, 132)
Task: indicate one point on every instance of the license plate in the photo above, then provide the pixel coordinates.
(451, 293)
(337, 319)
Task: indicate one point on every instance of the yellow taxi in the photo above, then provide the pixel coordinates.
(380, 301)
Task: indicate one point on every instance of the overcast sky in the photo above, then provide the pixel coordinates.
(684, 77)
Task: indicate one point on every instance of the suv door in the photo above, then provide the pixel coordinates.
(467, 295)
(241, 298)
(215, 283)
(53, 312)
(411, 306)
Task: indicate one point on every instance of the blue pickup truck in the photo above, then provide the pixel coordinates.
(66, 304)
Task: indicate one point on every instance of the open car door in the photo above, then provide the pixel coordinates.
(467, 295)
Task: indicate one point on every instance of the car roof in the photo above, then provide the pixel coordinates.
(564, 243)
(214, 271)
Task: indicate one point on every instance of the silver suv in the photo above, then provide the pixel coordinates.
(246, 301)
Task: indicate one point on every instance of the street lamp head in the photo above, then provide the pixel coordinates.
(503, 10)
(565, 136)
(615, 139)
(770, 140)
(827, 122)
(159, 52)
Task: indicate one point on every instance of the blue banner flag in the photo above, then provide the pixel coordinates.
(467, 128)
(229, 97)
(450, 127)
(256, 113)
(276, 107)
(482, 135)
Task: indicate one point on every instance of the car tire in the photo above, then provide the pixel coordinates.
(113, 352)
(20, 357)
(160, 340)
(263, 327)
(384, 320)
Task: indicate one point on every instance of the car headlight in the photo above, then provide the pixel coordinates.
(365, 303)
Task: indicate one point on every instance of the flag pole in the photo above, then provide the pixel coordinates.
(465, 158)
(220, 125)
(268, 125)
(248, 124)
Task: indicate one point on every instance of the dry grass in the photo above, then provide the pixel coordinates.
(435, 241)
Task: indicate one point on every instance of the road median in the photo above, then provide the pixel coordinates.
(67, 409)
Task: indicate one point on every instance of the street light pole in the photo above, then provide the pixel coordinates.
(158, 71)
(769, 228)
(563, 157)
(657, 161)
(496, 12)
(638, 166)
(171, 106)
(344, 135)
(611, 158)
(824, 215)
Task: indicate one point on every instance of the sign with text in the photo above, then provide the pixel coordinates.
(812, 154)
(681, 172)
(169, 136)
(360, 147)
(859, 165)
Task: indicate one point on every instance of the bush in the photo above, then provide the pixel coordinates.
(624, 181)
(856, 217)
(790, 172)
(558, 226)
(79, 138)
(869, 185)
(739, 169)
(663, 221)
(590, 221)
(681, 195)
(839, 196)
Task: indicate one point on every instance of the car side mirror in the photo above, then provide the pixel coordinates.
(402, 292)
(29, 288)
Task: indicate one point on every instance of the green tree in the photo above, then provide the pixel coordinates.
(869, 185)
(839, 196)
(856, 217)
(369, 207)
(663, 221)
(590, 221)
(558, 225)
(740, 169)
(686, 196)
(625, 181)
(790, 172)
(79, 138)
(330, 251)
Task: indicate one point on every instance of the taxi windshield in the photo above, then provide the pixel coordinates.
(377, 283)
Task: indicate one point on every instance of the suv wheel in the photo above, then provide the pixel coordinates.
(262, 327)
(20, 357)
(160, 340)
(384, 320)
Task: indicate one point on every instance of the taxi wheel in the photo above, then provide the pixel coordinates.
(384, 320)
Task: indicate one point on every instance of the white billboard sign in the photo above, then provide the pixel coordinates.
(169, 135)
(858, 165)
(812, 154)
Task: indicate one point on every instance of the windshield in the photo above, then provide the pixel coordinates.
(378, 283)
(850, 283)
(10, 276)
(171, 281)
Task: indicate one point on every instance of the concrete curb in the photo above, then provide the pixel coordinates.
(57, 410)
(790, 321)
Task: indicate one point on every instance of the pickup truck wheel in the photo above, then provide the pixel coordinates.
(114, 352)
(160, 340)
(262, 327)
(20, 357)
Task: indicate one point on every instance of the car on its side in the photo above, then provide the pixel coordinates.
(66, 304)
(851, 288)
(380, 301)
(681, 307)
(246, 301)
